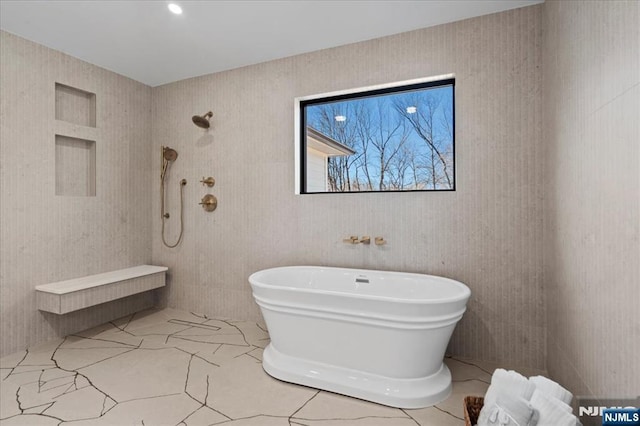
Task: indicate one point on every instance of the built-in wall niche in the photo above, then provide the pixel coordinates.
(75, 106)
(75, 166)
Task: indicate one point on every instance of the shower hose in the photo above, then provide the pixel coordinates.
(183, 182)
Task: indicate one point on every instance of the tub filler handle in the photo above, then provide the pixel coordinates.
(380, 241)
(351, 240)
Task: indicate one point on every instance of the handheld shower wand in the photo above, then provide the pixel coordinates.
(169, 156)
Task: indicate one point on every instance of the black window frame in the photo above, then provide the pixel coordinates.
(366, 94)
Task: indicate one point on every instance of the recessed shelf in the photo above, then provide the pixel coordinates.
(75, 106)
(75, 166)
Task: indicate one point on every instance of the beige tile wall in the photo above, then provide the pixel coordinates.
(48, 238)
(487, 234)
(591, 101)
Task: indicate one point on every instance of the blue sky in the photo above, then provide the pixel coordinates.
(388, 118)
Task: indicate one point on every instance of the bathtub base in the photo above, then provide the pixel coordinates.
(400, 393)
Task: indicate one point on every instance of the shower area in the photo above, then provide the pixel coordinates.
(167, 157)
(83, 193)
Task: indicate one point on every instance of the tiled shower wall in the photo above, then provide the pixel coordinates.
(487, 234)
(591, 60)
(48, 237)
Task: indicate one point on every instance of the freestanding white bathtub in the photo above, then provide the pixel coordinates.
(378, 336)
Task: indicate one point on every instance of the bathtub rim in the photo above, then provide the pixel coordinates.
(464, 296)
(410, 322)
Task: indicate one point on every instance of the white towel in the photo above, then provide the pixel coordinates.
(551, 388)
(545, 399)
(552, 411)
(508, 410)
(508, 382)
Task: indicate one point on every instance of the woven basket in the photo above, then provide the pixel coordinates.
(472, 407)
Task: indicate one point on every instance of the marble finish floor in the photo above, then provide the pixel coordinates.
(169, 367)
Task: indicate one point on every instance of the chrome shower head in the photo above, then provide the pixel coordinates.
(169, 154)
(202, 121)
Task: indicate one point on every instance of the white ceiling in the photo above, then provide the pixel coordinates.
(144, 41)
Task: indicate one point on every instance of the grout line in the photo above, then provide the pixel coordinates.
(619, 95)
(97, 339)
(472, 364)
(352, 418)
(26, 352)
(447, 412)
(410, 416)
(303, 405)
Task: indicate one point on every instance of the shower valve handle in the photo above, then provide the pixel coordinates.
(209, 202)
(208, 181)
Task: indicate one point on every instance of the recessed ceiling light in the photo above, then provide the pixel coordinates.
(174, 8)
(411, 110)
(340, 118)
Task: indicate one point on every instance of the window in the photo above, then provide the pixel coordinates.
(394, 138)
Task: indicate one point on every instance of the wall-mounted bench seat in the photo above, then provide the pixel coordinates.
(79, 293)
